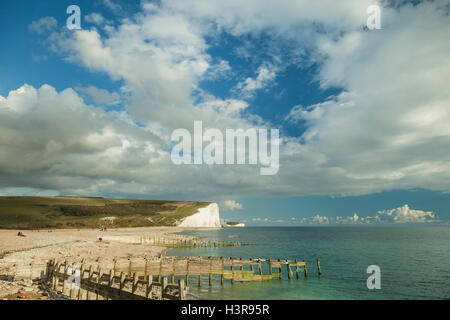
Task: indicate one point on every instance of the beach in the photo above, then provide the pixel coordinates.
(24, 258)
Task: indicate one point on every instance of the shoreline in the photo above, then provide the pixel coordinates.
(25, 258)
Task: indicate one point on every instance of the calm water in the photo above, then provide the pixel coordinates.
(414, 262)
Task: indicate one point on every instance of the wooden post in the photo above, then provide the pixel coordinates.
(129, 267)
(145, 267)
(296, 268)
(289, 269)
(223, 268)
(110, 280)
(115, 261)
(31, 272)
(160, 269)
(89, 280)
(148, 285)
(210, 271)
(270, 268)
(122, 282)
(182, 293)
(72, 272)
(318, 267)
(49, 271)
(163, 287)
(81, 280)
(242, 265)
(173, 270)
(251, 266)
(280, 270)
(260, 267)
(232, 270)
(187, 271)
(135, 281)
(99, 277)
(66, 269)
(200, 274)
(55, 277)
(305, 270)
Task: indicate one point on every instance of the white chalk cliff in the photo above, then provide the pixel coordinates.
(207, 217)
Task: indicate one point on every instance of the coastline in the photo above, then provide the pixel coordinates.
(24, 258)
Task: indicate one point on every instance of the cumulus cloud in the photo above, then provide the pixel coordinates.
(405, 215)
(53, 140)
(266, 74)
(387, 130)
(320, 220)
(43, 25)
(398, 215)
(95, 18)
(283, 18)
(231, 205)
(100, 96)
(392, 138)
(112, 5)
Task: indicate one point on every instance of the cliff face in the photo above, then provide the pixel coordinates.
(207, 217)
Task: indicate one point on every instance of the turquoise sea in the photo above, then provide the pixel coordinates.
(414, 261)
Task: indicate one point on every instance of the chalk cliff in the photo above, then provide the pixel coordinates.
(207, 217)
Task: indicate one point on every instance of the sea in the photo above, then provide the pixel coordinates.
(414, 262)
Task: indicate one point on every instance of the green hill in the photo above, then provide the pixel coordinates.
(77, 212)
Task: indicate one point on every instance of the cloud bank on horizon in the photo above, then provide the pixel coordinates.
(400, 215)
(387, 127)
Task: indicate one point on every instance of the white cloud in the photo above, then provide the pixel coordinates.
(354, 218)
(54, 141)
(43, 25)
(390, 127)
(100, 96)
(389, 130)
(284, 18)
(399, 215)
(95, 18)
(219, 71)
(112, 5)
(230, 205)
(317, 219)
(266, 75)
(405, 215)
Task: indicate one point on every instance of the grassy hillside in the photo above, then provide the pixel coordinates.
(74, 212)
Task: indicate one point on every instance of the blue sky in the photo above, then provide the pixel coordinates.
(364, 130)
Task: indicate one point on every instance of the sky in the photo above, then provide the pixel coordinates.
(363, 114)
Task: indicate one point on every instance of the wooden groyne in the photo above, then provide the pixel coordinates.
(234, 269)
(90, 283)
(174, 242)
(163, 278)
(197, 243)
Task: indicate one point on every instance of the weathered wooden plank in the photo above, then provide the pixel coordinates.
(236, 269)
